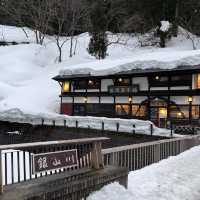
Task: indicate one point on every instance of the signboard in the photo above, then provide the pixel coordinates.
(54, 160)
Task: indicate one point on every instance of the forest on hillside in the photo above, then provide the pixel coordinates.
(72, 17)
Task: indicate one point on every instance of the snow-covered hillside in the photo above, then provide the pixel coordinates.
(176, 178)
(27, 69)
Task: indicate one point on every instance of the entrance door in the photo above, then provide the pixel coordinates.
(159, 116)
(162, 117)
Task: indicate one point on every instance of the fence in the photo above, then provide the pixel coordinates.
(16, 160)
(140, 155)
(103, 124)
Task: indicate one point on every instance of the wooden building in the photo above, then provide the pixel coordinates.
(158, 95)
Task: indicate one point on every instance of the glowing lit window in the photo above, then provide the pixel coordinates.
(162, 112)
(138, 111)
(122, 109)
(195, 112)
(198, 81)
(66, 86)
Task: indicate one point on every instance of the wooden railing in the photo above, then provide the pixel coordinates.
(138, 156)
(16, 160)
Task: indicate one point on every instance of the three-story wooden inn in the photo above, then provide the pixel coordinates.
(158, 94)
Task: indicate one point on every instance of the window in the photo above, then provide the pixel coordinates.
(80, 85)
(122, 82)
(94, 84)
(181, 80)
(123, 89)
(139, 110)
(122, 110)
(177, 80)
(100, 109)
(156, 81)
(79, 109)
(195, 112)
(198, 81)
(179, 112)
(87, 84)
(66, 86)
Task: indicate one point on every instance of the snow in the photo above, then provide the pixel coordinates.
(27, 70)
(176, 178)
(165, 25)
(125, 125)
(155, 60)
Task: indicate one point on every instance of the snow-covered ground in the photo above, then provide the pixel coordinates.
(176, 178)
(27, 69)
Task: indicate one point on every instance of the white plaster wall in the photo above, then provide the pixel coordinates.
(121, 100)
(107, 100)
(79, 100)
(194, 81)
(105, 83)
(179, 99)
(196, 100)
(159, 88)
(138, 99)
(79, 90)
(71, 88)
(142, 82)
(180, 88)
(93, 90)
(67, 100)
(93, 99)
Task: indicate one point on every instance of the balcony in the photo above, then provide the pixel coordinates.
(123, 89)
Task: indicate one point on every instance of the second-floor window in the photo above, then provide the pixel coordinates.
(122, 82)
(198, 81)
(175, 80)
(66, 86)
(87, 84)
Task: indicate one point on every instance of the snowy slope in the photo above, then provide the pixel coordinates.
(176, 178)
(27, 69)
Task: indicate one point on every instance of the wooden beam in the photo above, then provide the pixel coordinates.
(1, 174)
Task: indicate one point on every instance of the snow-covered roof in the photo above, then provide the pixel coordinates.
(138, 64)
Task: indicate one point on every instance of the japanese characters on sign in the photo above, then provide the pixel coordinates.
(54, 160)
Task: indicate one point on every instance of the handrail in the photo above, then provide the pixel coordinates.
(134, 146)
(35, 144)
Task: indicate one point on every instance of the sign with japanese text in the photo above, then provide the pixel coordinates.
(54, 160)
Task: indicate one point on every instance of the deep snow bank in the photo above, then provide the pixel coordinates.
(26, 71)
(176, 178)
(125, 125)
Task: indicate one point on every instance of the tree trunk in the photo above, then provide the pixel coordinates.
(71, 47)
(60, 54)
(175, 23)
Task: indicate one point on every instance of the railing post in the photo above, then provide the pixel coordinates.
(76, 124)
(151, 129)
(171, 128)
(1, 174)
(96, 156)
(102, 126)
(157, 153)
(133, 128)
(117, 126)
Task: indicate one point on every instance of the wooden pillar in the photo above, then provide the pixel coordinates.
(149, 101)
(168, 98)
(96, 156)
(61, 107)
(1, 174)
(190, 112)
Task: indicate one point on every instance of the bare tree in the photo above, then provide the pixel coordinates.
(189, 32)
(39, 14)
(35, 14)
(16, 11)
(67, 16)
